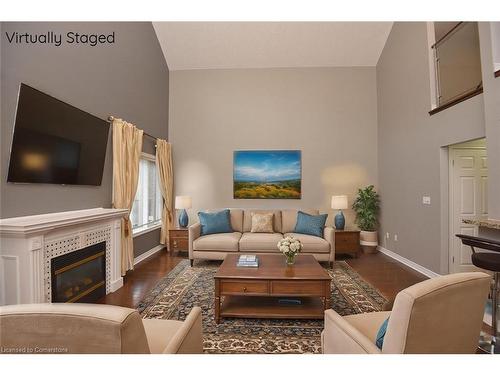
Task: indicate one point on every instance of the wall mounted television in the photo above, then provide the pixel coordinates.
(56, 143)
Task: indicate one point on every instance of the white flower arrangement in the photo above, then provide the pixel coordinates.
(289, 246)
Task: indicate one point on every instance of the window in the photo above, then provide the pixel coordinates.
(457, 62)
(146, 209)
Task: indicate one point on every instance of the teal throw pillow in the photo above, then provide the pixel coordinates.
(381, 334)
(310, 224)
(215, 222)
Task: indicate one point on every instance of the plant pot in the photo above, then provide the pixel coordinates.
(368, 241)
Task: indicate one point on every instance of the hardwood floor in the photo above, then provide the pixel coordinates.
(383, 272)
(137, 283)
(386, 274)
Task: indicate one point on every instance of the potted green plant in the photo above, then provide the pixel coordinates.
(367, 206)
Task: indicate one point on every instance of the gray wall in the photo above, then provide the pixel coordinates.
(128, 79)
(492, 112)
(495, 35)
(328, 113)
(146, 242)
(410, 144)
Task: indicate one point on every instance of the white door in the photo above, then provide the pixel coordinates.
(468, 200)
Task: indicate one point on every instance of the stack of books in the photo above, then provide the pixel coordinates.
(248, 261)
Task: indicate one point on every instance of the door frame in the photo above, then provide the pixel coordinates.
(451, 202)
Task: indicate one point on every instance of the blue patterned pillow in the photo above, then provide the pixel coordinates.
(381, 334)
(310, 224)
(215, 222)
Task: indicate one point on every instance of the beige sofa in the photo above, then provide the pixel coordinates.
(94, 329)
(437, 316)
(216, 246)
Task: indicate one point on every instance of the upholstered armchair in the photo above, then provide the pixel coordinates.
(440, 315)
(95, 329)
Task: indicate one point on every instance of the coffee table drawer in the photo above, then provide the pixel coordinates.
(297, 288)
(247, 287)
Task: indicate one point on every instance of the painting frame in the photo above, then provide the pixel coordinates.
(267, 174)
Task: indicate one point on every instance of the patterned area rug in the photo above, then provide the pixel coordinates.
(185, 287)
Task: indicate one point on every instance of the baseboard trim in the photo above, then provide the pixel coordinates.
(116, 284)
(147, 254)
(417, 267)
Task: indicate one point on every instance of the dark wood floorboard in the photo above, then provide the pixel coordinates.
(386, 274)
(381, 271)
(137, 283)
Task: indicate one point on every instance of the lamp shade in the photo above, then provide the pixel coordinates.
(339, 202)
(182, 202)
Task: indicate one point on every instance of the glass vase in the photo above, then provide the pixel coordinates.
(290, 260)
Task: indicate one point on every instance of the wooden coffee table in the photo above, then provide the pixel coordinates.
(266, 291)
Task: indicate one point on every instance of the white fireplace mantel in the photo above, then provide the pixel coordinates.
(28, 243)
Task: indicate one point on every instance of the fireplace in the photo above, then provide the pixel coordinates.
(79, 276)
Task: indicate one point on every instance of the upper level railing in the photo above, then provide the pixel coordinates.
(457, 63)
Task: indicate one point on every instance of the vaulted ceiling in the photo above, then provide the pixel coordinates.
(230, 45)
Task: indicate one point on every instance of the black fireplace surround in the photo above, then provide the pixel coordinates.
(79, 276)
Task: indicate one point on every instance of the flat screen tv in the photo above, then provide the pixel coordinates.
(56, 143)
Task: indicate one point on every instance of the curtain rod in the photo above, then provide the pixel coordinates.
(111, 118)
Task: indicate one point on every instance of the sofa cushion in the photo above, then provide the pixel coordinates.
(236, 215)
(310, 224)
(218, 242)
(215, 222)
(247, 219)
(311, 244)
(260, 241)
(289, 218)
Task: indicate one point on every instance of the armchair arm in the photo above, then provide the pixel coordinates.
(340, 337)
(189, 338)
(194, 231)
(328, 235)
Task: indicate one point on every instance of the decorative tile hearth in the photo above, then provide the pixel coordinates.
(61, 246)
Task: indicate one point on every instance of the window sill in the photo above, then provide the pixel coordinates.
(146, 229)
(456, 101)
(497, 74)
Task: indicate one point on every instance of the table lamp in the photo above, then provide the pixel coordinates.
(181, 203)
(339, 202)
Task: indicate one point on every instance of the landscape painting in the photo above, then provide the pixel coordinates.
(267, 174)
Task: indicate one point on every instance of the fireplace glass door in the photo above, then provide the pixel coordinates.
(80, 276)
